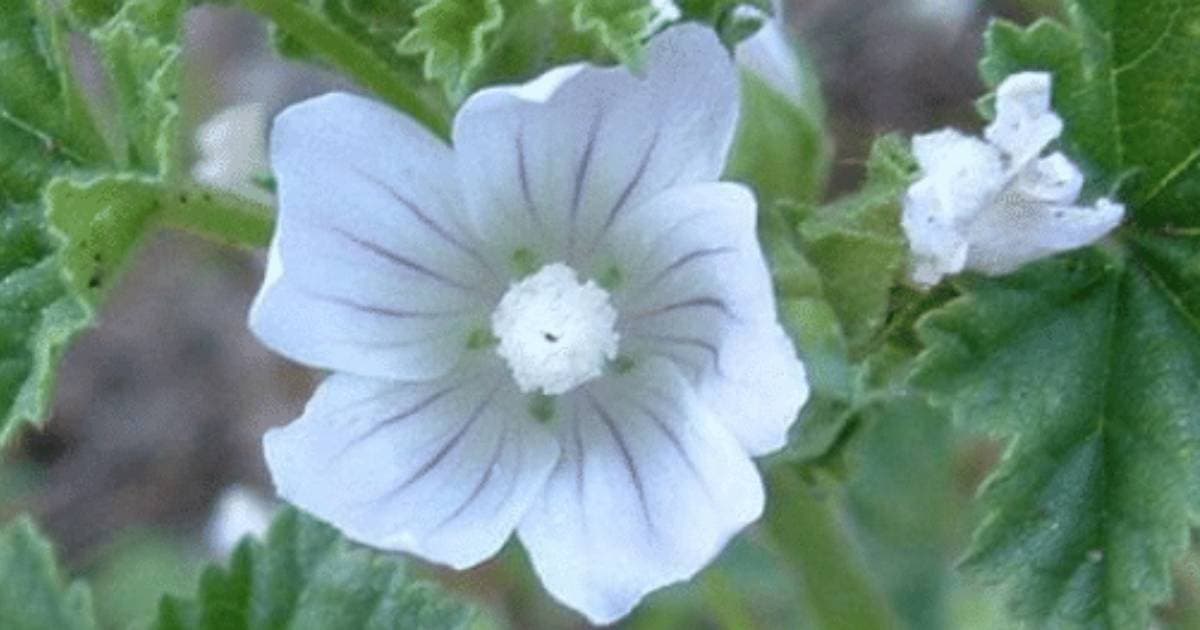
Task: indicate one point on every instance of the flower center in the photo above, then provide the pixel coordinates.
(555, 332)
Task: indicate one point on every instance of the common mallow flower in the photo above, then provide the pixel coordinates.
(993, 205)
(561, 326)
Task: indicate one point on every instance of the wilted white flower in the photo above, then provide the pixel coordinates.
(239, 512)
(232, 151)
(561, 326)
(994, 205)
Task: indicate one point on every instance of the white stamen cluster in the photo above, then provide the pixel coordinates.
(555, 332)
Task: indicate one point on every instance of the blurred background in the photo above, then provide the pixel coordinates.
(161, 409)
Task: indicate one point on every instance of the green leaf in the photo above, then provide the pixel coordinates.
(1127, 82)
(857, 246)
(901, 504)
(620, 26)
(304, 575)
(1088, 363)
(98, 224)
(358, 38)
(61, 243)
(38, 92)
(140, 50)
(1093, 362)
(453, 36)
(782, 149)
(835, 269)
(38, 317)
(33, 593)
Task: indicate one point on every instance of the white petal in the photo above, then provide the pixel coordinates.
(443, 470)
(961, 176)
(1054, 179)
(1025, 124)
(964, 173)
(770, 55)
(1018, 230)
(691, 270)
(650, 487)
(546, 165)
(371, 271)
(938, 246)
(697, 291)
(760, 389)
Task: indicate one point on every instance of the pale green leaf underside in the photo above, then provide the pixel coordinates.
(33, 593)
(305, 576)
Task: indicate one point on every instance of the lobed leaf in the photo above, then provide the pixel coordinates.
(61, 242)
(620, 26)
(140, 49)
(453, 36)
(33, 594)
(1125, 81)
(1088, 363)
(304, 575)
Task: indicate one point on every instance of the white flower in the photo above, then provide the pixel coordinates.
(239, 512)
(769, 53)
(232, 151)
(994, 206)
(561, 326)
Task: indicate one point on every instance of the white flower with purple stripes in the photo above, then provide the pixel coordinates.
(561, 326)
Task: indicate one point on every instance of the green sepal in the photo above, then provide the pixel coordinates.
(454, 37)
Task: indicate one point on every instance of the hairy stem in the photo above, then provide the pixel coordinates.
(219, 216)
(808, 531)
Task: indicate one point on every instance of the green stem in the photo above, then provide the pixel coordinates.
(725, 603)
(352, 57)
(838, 591)
(220, 216)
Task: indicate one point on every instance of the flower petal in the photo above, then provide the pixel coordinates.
(1018, 230)
(962, 172)
(697, 291)
(547, 165)
(760, 389)
(443, 470)
(1025, 124)
(961, 176)
(371, 271)
(771, 55)
(650, 487)
(938, 245)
